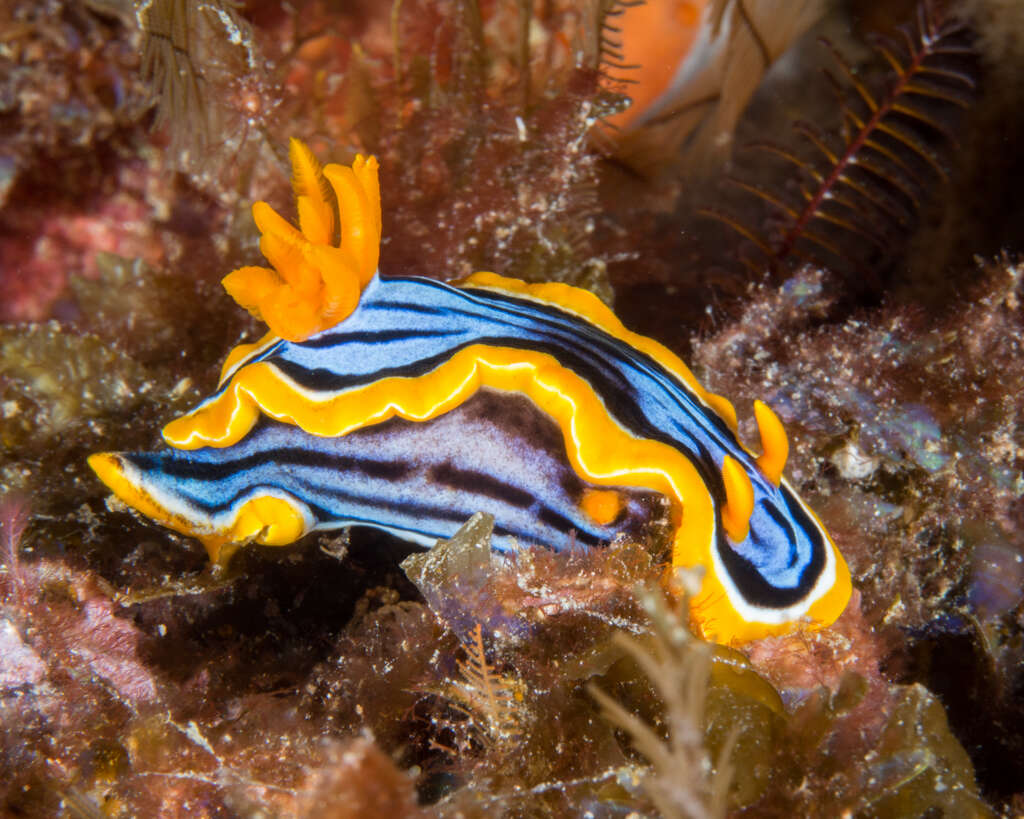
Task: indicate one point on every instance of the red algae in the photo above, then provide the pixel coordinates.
(49, 240)
(799, 664)
(359, 781)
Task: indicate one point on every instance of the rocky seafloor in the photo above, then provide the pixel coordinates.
(342, 677)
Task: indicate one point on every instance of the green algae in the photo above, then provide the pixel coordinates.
(54, 379)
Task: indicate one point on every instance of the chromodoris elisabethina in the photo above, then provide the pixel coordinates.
(407, 404)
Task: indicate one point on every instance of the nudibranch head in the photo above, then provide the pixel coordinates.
(409, 404)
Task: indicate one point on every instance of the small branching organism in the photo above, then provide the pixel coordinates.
(869, 181)
(490, 702)
(200, 59)
(14, 518)
(608, 45)
(681, 780)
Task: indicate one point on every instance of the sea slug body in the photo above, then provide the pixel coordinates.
(407, 404)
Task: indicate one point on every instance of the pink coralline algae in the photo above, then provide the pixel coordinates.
(37, 261)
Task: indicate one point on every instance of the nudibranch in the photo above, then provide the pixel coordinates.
(407, 404)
